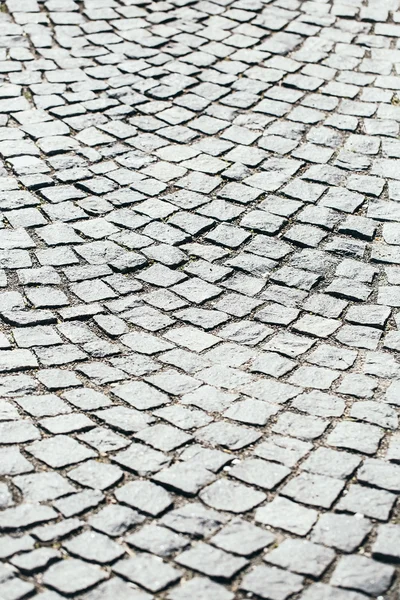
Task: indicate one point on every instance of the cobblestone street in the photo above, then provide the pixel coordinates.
(199, 299)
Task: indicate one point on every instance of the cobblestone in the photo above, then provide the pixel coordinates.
(199, 295)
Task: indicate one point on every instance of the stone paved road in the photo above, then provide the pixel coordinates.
(200, 284)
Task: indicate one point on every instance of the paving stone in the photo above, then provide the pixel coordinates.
(96, 475)
(140, 395)
(51, 533)
(141, 459)
(316, 325)
(287, 515)
(13, 462)
(181, 478)
(362, 574)
(17, 432)
(379, 473)
(314, 377)
(194, 519)
(17, 360)
(315, 490)
(127, 420)
(371, 502)
(343, 532)
(374, 316)
(301, 556)
(227, 435)
(145, 496)
(36, 560)
(358, 385)
(40, 487)
(385, 546)
(86, 398)
(59, 451)
(271, 582)
(289, 344)
(141, 569)
(284, 450)
(356, 436)
(163, 437)
(188, 361)
(73, 576)
(115, 520)
(211, 561)
(276, 314)
(79, 503)
(25, 515)
(253, 412)
(157, 540)
(243, 538)
(13, 545)
(230, 496)
(377, 363)
(94, 547)
(374, 412)
(319, 404)
(301, 426)
(55, 379)
(272, 364)
(325, 461)
(258, 472)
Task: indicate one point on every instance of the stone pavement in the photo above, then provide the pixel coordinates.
(200, 284)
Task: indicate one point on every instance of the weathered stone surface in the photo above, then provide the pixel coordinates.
(363, 574)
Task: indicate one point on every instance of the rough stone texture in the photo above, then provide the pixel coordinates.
(199, 296)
